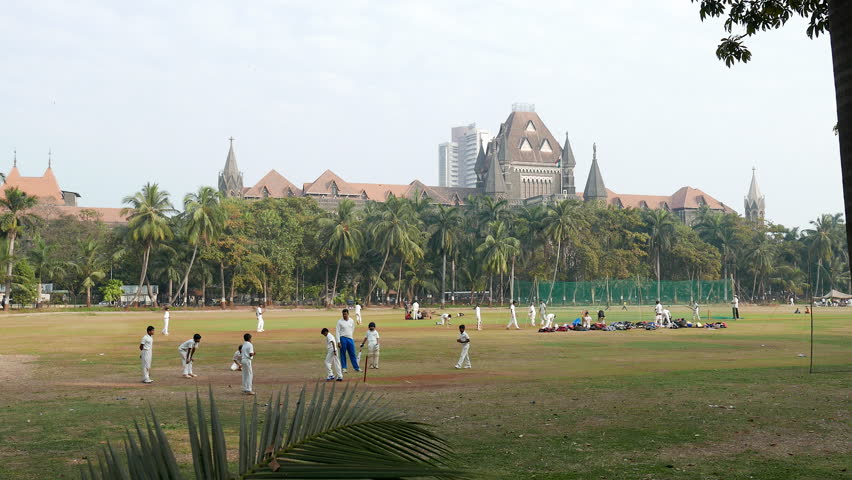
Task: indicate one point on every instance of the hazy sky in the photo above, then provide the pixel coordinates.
(130, 92)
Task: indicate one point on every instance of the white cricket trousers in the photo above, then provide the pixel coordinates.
(586, 323)
(532, 319)
(464, 358)
(146, 365)
(187, 366)
(479, 323)
(513, 321)
(373, 351)
(165, 326)
(260, 323)
(358, 318)
(332, 365)
(248, 375)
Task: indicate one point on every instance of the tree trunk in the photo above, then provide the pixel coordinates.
(453, 288)
(502, 300)
(555, 268)
(171, 286)
(89, 296)
(185, 282)
(840, 13)
(659, 293)
(491, 290)
(203, 291)
(816, 284)
(399, 283)
(38, 293)
(336, 272)
(512, 281)
(444, 280)
(379, 277)
(222, 281)
(233, 290)
(151, 293)
(145, 257)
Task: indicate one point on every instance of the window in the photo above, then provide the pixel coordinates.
(700, 200)
(643, 204)
(545, 146)
(334, 190)
(525, 145)
(530, 126)
(265, 192)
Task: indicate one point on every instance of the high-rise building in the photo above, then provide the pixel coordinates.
(457, 158)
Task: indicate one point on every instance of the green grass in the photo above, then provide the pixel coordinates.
(575, 405)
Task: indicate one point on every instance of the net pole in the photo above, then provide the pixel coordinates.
(811, 367)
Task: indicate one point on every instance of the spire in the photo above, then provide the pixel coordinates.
(753, 190)
(568, 154)
(494, 181)
(595, 188)
(231, 161)
(230, 179)
(49, 158)
(755, 201)
(15, 158)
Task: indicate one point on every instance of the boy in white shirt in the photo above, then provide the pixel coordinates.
(415, 311)
(658, 313)
(247, 352)
(332, 360)
(542, 309)
(259, 314)
(478, 312)
(513, 318)
(445, 319)
(358, 313)
(550, 317)
(696, 316)
(166, 317)
(372, 341)
(464, 339)
(238, 359)
(187, 353)
(532, 314)
(146, 346)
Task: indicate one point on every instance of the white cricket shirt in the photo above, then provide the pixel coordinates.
(187, 345)
(345, 328)
(330, 342)
(147, 342)
(372, 338)
(248, 349)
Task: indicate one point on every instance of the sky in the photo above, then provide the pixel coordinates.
(124, 93)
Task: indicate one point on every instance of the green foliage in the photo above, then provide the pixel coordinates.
(24, 283)
(326, 436)
(111, 290)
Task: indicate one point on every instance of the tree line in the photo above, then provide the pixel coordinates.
(212, 250)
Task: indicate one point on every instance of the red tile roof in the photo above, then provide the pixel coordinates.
(45, 187)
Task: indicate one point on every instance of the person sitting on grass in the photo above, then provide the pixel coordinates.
(238, 357)
(587, 320)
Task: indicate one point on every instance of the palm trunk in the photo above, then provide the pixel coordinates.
(336, 273)
(502, 300)
(512, 281)
(379, 277)
(555, 268)
(89, 296)
(203, 290)
(9, 266)
(444, 280)
(816, 285)
(171, 286)
(453, 288)
(491, 290)
(840, 13)
(185, 284)
(222, 281)
(38, 293)
(399, 283)
(658, 277)
(142, 276)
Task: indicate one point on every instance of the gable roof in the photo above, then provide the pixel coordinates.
(275, 184)
(44, 187)
(515, 131)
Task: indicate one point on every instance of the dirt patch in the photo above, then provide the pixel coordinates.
(16, 369)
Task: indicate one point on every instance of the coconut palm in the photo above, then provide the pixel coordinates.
(90, 265)
(821, 241)
(762, 258)
(497, 250)
(15, 205)
(326, 436)
(445, 228)
(43, 259)
(148, 224)
(661, 228)
(562, 221)
(717, 229)
(205, 221)
(343, 237)
(391, 228)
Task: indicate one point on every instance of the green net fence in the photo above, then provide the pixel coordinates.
(631, 292)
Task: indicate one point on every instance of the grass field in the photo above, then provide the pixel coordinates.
(574, 405)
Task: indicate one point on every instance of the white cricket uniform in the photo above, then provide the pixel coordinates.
(146, 353)
(667, 317)
(587, 321)
(166, 317)
(445, 318)
(259, 314)
(237, 360)
(415, 309)
(332, 358)
(532, 315)
(478, 312)
(513, 319)
(542, 309)
(358, 313)
(695, 314)
(246, 360)
(549, 317)
(464, 358)
(373, 347)
(658, 314)
(184, 349)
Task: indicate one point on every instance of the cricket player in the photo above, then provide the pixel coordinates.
(166, 317)
(332, 359)
(478, 312)
(445, 319)
(658, 313)
(415, 310)
(513, 318)
(550, 317)
(532, 314)
(667, 317)
(587, 320)
(372, 341)
(358, 313)
(146, 346)
(464, 339)
(247, 357)
(259, 314)
(735, 307)
(542, 309)
(237, 359)
(695, 314)
(345, 344)
(187, 353)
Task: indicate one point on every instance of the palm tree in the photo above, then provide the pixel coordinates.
(391, 229)
(762, 258)
(661, 228)
(148, 224)
(15, 205)
(717, 229)
(562, 221)
(327, 436)
(89, 265)
(446, 223)
(44, 263)
(205, 221)
(821, 243)
(498, 249)
(343, 237)
(489, 209)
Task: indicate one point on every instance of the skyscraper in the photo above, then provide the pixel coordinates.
(457, 158)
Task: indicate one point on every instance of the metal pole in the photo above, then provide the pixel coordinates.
(811, 367)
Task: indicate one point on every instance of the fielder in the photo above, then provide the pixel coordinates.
(332, 359)
(542, 309)
(358, 313)
(667, 317)
(187, 353)
(695, 314)
(478, 312)
(415, 310)
(550, 317)
(658, 313)
(464, 339)
(445, 319)
(166, 317)
(259, 314)
(532, 314)
(146, 346)
(345, 344)
(513, 318)
(247, 357)
(372, 341)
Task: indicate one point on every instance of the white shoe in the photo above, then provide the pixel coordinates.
(193, 375)
(467, 366)
(345, 370)
(147, 381)
(187, 376)
(458, 366)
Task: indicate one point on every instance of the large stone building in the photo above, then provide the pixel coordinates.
(523, 164)
(54, 202)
